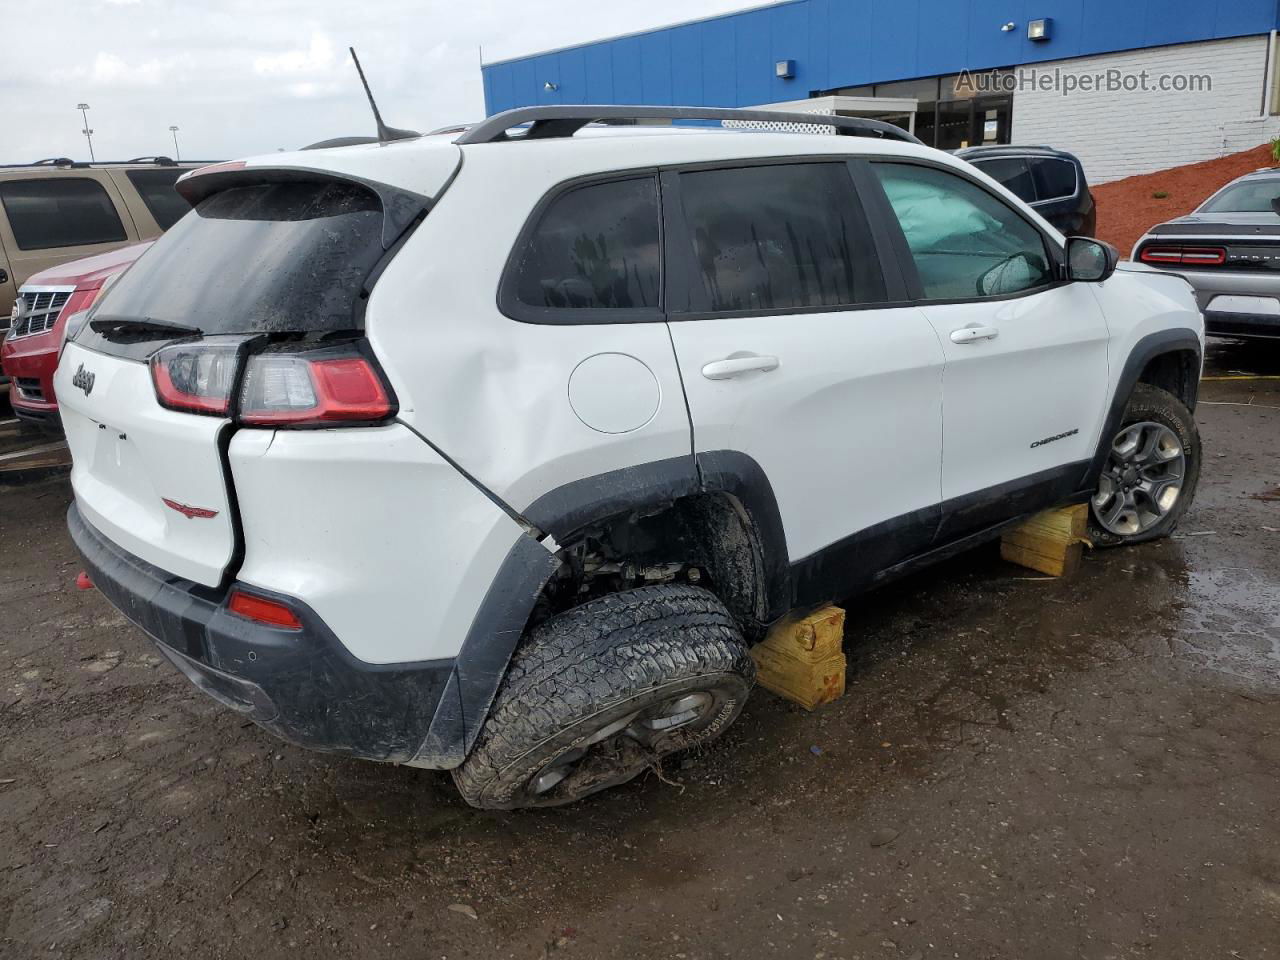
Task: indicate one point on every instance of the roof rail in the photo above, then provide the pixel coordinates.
(158, 160)
(566, 120)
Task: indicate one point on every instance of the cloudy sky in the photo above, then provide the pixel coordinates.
(240, 77)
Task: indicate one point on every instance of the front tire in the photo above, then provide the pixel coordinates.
(1151, 472)
(599, 693)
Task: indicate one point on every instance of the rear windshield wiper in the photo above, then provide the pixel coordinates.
(141, 328)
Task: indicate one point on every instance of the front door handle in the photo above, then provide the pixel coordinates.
(4, 276)
(974, 334)
(732, 367)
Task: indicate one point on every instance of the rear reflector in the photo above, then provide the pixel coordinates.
(262, 610)
(1165, 254)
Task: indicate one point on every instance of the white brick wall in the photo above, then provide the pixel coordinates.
(1121, 134)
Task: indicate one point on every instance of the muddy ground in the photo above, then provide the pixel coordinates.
(1020, 768)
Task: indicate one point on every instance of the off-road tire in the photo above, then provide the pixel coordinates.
(1151, 404)
(590, 667)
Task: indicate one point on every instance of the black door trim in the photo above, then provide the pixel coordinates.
(920, 538)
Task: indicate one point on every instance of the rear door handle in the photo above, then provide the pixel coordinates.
(736, 366)
(974, 334)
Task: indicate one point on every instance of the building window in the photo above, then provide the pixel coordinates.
(953, 111)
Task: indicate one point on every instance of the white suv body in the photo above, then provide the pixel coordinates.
(597, 357)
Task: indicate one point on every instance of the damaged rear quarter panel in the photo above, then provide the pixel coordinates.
(389, 544)
(489, 391)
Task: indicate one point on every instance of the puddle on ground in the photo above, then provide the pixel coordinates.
(1231, 623)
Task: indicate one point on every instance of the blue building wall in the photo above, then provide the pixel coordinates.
(728, 60)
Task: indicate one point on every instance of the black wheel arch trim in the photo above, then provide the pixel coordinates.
(510, 600)
(486, 651)
(567, 510)
(1153, 345)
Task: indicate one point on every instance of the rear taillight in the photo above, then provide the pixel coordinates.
(195, 377)
(328, 386)
(287, 385)
(1166, 254)
(271, 612)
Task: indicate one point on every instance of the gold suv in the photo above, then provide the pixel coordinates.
(54, 211)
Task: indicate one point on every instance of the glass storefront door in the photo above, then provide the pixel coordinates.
(974, 122)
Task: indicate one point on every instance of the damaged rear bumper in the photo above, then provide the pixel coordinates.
(303, 685)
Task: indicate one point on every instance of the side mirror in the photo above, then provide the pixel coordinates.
(1089, 260)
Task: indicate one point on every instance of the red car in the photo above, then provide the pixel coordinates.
(46, 301)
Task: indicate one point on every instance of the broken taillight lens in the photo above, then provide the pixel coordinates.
(332, 385)
(195, 377)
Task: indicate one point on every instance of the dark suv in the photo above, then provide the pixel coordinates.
(1051, 181)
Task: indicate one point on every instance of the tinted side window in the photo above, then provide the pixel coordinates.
(780, 236)
(60, 213)
(157, 192)
(596, 246)
(1055, 179)
(965, 242)
(1013, 174)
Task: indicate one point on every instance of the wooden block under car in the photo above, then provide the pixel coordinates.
(1051, 542)
(803, 659)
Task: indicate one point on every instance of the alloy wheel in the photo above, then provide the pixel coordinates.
(1142, 479)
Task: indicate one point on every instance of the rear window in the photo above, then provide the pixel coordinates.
(155, 187)
(1012, 174)
(1055, 179)
(60, 212)
(258, 259)
(1251, 196)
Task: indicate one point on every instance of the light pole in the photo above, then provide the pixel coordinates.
(83, 107)
(177, 154)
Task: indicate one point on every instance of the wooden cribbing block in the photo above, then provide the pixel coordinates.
(802, 659)
(1051, 542)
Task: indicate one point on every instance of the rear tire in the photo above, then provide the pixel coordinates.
(596, 695)
(1149, 478)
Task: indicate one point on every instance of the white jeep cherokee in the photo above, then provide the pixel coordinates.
(493, 452)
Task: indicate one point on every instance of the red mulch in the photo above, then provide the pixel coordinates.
(1128, 208)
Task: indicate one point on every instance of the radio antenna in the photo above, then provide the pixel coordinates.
(385, 134)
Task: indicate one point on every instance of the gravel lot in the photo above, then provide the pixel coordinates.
(1020, 768)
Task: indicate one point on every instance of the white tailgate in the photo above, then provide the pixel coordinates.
(130, 455)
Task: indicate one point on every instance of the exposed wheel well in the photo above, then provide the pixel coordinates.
(1177, 372)
(705, 538)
